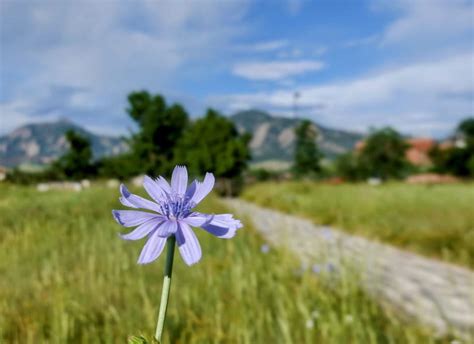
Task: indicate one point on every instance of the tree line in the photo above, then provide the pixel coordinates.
(165, 137)
(382, 155)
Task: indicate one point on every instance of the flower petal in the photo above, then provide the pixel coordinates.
(137, 201)
(163, 184)
(191, 190)
(143, 230)
(167, 228)
(154, 189)
(126, 202)
(203, 189)
(188, 244)
(179, 180)
(223, 226)
(198, 219)
(131, 218)
(152, 249)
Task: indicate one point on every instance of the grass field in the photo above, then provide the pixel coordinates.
(66, 277)
(436, 221)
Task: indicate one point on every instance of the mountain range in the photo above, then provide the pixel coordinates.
(42, 143)
(273, 140)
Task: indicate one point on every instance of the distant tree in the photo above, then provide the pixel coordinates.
(213, 144)
(466, 127)
(76, 163)
(383, 154)
(121, 166)
(457, 160)
(160, 126)
(470, 166)
(348, 167)
(307, 156)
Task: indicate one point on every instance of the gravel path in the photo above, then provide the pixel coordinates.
(436, 294)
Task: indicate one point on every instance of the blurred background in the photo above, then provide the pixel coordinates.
(355, 115)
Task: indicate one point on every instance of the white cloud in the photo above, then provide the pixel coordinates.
(428, 23)
(15, 114)
(267, 46)
(415, 98)
(108, 49)
(275, 70)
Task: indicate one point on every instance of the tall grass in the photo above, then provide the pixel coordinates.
(66, 277)
(436, 221)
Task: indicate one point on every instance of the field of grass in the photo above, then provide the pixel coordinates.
(436, 221)
(66, 277)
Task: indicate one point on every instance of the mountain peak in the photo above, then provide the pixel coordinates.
(273, 137)
(41, 143)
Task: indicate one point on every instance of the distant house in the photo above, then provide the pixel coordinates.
(417, 153)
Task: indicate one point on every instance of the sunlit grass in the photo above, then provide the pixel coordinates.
(436, 221)
(66, 277)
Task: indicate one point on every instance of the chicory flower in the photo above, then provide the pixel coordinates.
(171, 214)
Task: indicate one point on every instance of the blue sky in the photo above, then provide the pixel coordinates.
(355, 64)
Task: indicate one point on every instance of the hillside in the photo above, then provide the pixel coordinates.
(273, 137)
(272, 140)
(41, 143)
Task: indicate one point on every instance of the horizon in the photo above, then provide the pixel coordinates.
(354, 65)
(112, 135)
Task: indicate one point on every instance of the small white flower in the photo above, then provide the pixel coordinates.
(348, 319)
(309, 323)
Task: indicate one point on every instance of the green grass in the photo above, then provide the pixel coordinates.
(436, 221)
(66, 277)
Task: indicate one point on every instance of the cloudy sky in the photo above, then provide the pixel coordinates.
(355, 64)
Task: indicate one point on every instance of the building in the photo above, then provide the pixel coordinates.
(417, 153)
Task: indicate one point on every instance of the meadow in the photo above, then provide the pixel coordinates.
(435, 221)
(68, 278)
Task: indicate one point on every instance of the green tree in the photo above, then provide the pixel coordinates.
(348, 166)
(466, 127)
(121, 166)
(307, 156)
(383, 154)
(76, 163)
(457, 160)
(160, 126)
(213, 144)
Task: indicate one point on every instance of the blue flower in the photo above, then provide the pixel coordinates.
(171, 213)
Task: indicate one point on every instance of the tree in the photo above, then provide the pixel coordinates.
(348, 166)
(307, 155)
(466, 127)
(76, 163)
(458, 160)
(213, 144)
(383, 154)
(161, 127)
(121, 166)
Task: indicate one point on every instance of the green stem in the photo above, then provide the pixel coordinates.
(166, 288)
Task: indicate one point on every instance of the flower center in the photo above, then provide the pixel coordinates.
(176, 207)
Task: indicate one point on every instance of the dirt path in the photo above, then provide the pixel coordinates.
(437, 294)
